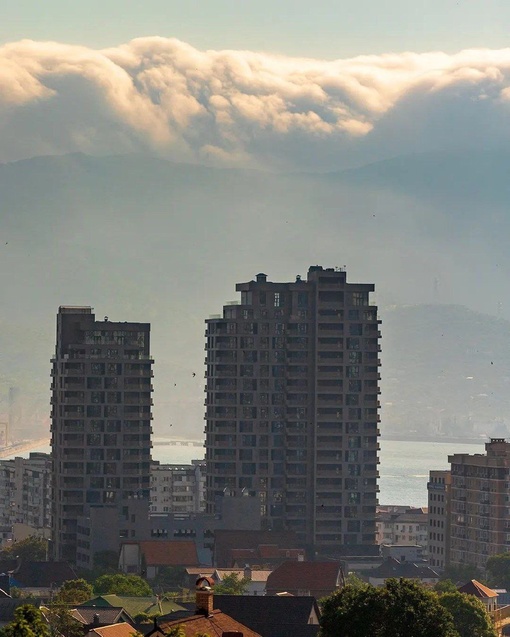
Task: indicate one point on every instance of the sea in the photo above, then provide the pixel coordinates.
(404, 464)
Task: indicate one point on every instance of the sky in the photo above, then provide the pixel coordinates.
(325, 28)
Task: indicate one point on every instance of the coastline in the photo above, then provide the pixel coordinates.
(450, 439)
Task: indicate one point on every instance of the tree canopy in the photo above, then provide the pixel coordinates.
(120, 584)
(28, 622)
(498, 570)
(31, 549)
(75, 591)
(470, 616)
(232, 584)
(398, 609)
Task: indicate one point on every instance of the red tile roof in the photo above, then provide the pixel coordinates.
(311, 576)
(214, 625)
(477, 589)
(115, 630)
(170, 553)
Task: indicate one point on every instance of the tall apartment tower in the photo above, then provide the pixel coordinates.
(292, 406)
(439, 515)
(100, 420)
(480, 525)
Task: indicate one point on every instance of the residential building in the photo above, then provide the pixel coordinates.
(263, 549)
(100, 424)
(25, 485)
(178, 488)
(314, 579)
(402, 525)
(255, 578)
(479, 504)
(439, 492)
(392, 568)
(148, 558)
(292, 405)
(281, 616)
(487, 596)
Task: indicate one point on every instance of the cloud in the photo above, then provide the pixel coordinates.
(247, 108)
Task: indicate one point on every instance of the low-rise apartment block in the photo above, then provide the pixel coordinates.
(178, 488)
(25, 485)
(402, 525)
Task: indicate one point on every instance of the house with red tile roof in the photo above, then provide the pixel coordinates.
(146, 558)
(316, 579)
(114, 630)
(264, 549)
(487, 596)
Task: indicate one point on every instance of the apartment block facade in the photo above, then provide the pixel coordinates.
(100, 421)
(25, 491)
(480, 511)
(292, 405)
(402, 525)
(178, 488)
(439, 494)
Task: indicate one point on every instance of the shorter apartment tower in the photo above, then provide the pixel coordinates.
(178, 488)
(438, 488)
(480, 524)
(25, 485)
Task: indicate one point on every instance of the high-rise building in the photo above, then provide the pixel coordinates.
(292, 405)
(480, 524)
(439, 491)
(100, 421)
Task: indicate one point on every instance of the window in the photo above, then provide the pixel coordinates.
(278, 299)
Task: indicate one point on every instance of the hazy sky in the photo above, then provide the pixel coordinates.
(324, 28)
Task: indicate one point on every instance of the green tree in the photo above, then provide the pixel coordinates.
(445, 586)
(400, 608)
(461, 573)
(120, 584)
(176, 631)
(232, 584)
(498, 570)
(31, 549)
(74, 591)
(168, 578)
(28, 622)
(470, 616)
(62, 623)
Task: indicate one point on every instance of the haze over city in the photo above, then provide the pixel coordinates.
(275, 116)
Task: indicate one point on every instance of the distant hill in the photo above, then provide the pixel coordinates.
(141, 238)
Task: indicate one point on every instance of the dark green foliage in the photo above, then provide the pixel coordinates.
(401, 608)
(445, 586)
(62, 623)
(462, 573)
(74, 591)
(469, 615)
(120, 584)
(232, 585)
(31, 549)
(498, 570)
(28, 622)
(168, 578)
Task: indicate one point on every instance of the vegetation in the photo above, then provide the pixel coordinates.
(74, 591)
(31, 549)
(62, 623)
(400, 608)
(120, 584)
(232, 585)
(462, 573)
(470, 616)
(28, 622)
(498, 570)
(445, 586)
(168, 578)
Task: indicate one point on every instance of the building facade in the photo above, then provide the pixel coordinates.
(178, 488)
(480, 524)
(402, 525)
(292, 405)
(100, 420)
(439, 492)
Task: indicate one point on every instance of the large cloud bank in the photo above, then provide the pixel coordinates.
(245, 108)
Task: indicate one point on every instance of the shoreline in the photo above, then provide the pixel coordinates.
(449, 439)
